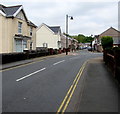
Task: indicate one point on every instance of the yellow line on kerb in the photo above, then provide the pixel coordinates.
(36, 60)
(70, 92)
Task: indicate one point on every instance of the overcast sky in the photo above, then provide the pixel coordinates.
(90, 16)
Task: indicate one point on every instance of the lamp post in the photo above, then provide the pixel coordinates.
(67, 32)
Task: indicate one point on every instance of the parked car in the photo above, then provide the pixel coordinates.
(80, 48)
(89, 48)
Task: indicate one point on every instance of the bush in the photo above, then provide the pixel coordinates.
(12, 57)
(115, 48)
(107, 42)
(50, 51)
(64, 50)
(109, 50)
(32, 55)
(42, 53)
(55, 51)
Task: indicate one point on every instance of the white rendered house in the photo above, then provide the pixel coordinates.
(48, 37)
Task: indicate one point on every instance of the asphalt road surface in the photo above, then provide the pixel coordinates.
(41, 86)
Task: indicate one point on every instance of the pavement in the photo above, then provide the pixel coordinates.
(97, 90)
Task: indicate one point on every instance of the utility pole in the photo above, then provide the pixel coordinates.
(67, 32)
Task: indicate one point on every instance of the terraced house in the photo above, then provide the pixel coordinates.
(16, 31)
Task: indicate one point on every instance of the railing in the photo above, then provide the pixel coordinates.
(113, 62)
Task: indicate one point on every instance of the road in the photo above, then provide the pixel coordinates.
(41, 86)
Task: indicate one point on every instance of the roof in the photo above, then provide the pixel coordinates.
(12, 11)
(31, 24)
(1, 8)
(9, 11)
(55, 29)
(111, 32)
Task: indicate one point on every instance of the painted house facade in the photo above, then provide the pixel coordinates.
(63, 41)
(48, 37)
(16, 31)
(115, 34)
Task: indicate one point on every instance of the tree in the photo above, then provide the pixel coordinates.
(89, 39)
(107, 42)
(82, 38)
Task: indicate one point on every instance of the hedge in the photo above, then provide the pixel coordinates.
(13, 57)
(107, 42)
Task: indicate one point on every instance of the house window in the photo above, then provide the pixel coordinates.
(24, 44)
(31, 31)
(45, 45)
(19, 27)
(31, 44)
(59, 44)
(119, 40)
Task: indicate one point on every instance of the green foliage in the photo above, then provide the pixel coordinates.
(107, 42)
(89, 39)
(83, 39)
(115, 48)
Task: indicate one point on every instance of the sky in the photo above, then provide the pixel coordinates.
(90, 17)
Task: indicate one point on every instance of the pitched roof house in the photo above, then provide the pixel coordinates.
(16, 32)
(48, 36)
(115, 34)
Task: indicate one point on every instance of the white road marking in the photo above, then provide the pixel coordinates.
(30, 74)
(59, 62)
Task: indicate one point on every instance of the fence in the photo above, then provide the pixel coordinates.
(112, 60)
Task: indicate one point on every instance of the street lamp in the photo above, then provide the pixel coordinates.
(67, 32)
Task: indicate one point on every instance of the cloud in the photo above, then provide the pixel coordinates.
(58, 1)
(90, 16)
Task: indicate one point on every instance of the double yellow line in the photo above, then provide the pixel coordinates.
(70, 92)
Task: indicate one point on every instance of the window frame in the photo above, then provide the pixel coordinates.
(19, 27)
(31, 31)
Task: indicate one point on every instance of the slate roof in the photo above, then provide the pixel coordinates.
(55, 29)
(31, 24)
(9, 11)
(1, 8)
